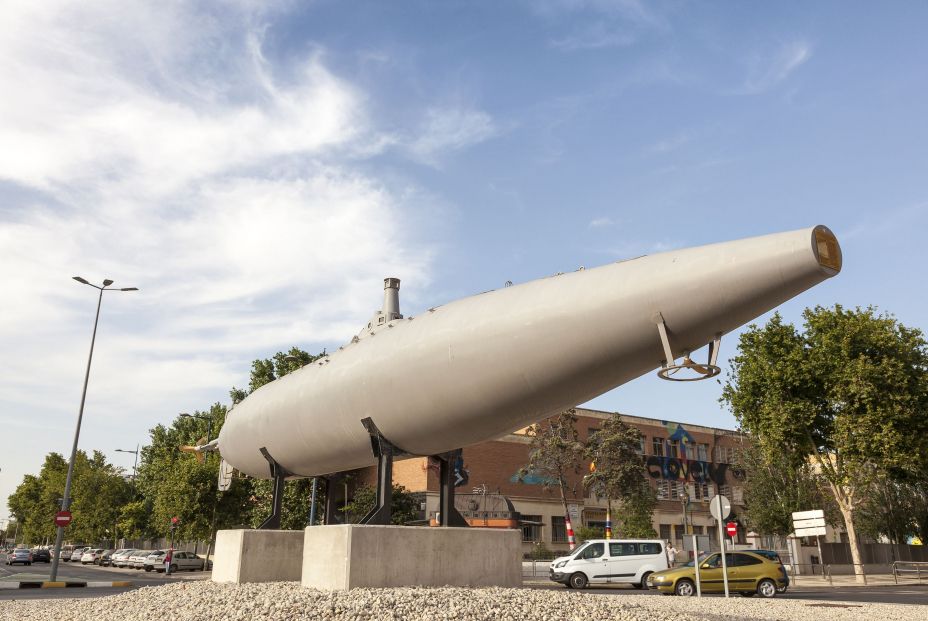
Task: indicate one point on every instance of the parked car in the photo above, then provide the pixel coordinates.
(748, 574)
(19, 555)
(154, 560)
(78, 553)
(91, 555)
(41, 555)
(121, 559)
(137, 560)
(65, 554)
(183, 561)
(188, 561)
(610, 561)
(775, 557)
(106, 558)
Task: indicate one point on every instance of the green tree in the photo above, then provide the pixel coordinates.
(775, 486)
(404, 508)
(556, 455)
(635, 518)
(891, 509)
(845, 394)
(618, 472)
(98, 491)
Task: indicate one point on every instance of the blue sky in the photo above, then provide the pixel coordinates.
(256, 169)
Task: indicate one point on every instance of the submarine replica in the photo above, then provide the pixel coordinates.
(483, 366)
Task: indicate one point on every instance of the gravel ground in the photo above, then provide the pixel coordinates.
(208, 601)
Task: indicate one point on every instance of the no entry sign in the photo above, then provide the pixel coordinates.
(732, 529)
(62, 518)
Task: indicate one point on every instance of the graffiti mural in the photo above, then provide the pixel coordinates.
(687, 466)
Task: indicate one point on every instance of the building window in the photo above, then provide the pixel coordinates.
(640, 449)
(725, 490)
(677, 489)
(675, 449)
(737, 495)
(665, 532)
(657, 446)
(558, 529)
(531, 532)
(701, 491)
(702, 452)
(663, 490)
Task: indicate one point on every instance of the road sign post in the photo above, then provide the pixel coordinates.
(720, 509)
(732, 529)
(62, 518)
(696, 564)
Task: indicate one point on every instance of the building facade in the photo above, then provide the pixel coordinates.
(686, 465)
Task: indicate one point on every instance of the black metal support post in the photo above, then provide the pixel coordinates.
(384, 451)
(331, 498)
(448, 515)
(279, 475)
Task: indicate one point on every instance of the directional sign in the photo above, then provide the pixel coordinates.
(809, 523)
(808, 515)
(719, 507)
(732, 529)
(62, 518)
(810, 532)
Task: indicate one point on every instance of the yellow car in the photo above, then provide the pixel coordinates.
(748, 573)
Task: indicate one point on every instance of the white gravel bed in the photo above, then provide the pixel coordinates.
(208, 601)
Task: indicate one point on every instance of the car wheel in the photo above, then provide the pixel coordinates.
(644, 581)
(767, 588)
(148, 569)
(578, 581)
(685, 588)
(173, 569)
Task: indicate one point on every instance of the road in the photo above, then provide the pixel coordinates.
(882, 594)
(885, 594)
(85, 573)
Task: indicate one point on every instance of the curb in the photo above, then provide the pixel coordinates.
(39, 584)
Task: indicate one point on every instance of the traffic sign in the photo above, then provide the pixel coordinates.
(62, 518)
(732, 529)
(719, 507)
(809, 523)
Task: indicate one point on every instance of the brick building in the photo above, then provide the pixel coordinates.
(686, 463)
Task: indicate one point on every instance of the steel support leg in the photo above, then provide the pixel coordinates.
(279, 476)
(448, 515)
(384, 451)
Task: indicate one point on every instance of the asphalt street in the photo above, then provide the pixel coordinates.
(85, 573)
(882, 594)
(886, 594)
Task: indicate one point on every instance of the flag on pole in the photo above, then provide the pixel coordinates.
(571, 542)
(608, 525)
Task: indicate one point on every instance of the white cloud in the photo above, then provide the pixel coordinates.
(601, 222)
(156, 145)
(449, 129)
(765, 72)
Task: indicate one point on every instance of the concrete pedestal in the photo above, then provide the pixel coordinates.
(349, 556)
(258, 556)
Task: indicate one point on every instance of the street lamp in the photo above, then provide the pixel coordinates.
(66, 500)
(208, 419)
(135, 463)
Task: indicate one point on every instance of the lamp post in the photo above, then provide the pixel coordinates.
(66, 500)
(135, 463)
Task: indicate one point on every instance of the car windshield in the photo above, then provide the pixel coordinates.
(580, 550)
(701, 559)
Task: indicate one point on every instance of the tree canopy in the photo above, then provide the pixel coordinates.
(843, 395)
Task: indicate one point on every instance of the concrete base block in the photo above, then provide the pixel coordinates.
(349, 556)
(258, 556)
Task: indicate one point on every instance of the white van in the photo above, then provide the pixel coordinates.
(610, 561)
